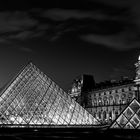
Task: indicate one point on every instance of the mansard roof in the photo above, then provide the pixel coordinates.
(112, 84)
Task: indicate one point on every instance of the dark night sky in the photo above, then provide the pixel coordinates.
(66, 38)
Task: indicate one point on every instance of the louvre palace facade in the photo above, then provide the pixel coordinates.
(106, 100)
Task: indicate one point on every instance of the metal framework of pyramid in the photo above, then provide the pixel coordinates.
(33, 99)
(129, 118)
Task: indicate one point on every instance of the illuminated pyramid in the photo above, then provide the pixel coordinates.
(129, 118)
(33, 99)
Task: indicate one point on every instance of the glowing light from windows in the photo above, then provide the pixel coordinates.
(139, 58)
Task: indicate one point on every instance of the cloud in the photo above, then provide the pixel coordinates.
(122, 41)
(111, 29)
(23, 25)
(15, 21)
(21, 35)
(26, 49)
(64, 14)
(118, 2)
(21, 48)
(19, 25)
(124, 33)
(132, 5)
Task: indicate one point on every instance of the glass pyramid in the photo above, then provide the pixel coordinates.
(33, 99)
(129, 118)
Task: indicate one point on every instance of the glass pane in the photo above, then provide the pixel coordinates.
(115, 125)
(122, 120)
(138, 113)
(129, 126)
(135, 121)
(128, 113)
(135, 106)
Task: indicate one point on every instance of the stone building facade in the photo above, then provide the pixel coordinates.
(107, 104)
(106, 100)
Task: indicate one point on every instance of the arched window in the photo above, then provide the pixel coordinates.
(111, 100)
(130, 96)
(104, 115)
(123, 97)
(116, 113)
(99, 101)
(116, 99)
(110, 115)
(99, 114)
(94, 102)
(105, 100)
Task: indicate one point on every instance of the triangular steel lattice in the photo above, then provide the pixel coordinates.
(32, 98)
(129, 118)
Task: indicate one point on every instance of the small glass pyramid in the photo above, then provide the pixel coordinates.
(32, 99)
(129, 118)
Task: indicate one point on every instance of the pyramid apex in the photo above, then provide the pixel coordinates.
(30, 62)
